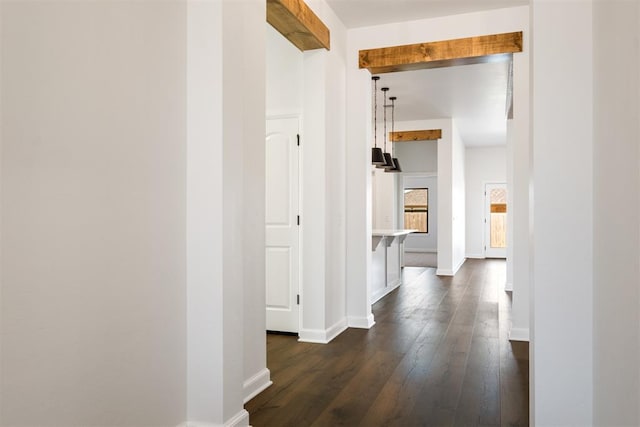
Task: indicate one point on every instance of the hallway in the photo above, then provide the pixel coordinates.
(438, 355)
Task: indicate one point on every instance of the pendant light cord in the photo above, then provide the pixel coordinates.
(384, 108)
(375, 110)
(393, 119)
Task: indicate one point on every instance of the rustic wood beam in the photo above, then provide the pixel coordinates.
(297, 22)
(415, 135)
(471, 50)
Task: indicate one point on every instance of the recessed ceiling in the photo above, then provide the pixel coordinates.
(363, 13)
(475, 96)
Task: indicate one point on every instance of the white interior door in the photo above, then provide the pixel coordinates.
(282, 229)
(495, 240)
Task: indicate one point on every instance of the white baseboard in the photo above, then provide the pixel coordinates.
(323, 336)
(384, 291)
(519, 334)
(446, 272)
(455, 270)
(256, 384)
(361, 322)
(443, 272)
(475, 256)
(241, 419)
(421, 250)
(508, 286)
(338, 328)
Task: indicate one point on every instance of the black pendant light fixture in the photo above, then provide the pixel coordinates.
(388, 161)
(396, 165)
(377, 158)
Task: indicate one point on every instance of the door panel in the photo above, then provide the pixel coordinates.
(282, 230)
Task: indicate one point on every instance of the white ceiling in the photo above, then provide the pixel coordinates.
(362, 13)
(474, 95)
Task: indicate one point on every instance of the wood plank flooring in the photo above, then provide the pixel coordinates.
(439, 355)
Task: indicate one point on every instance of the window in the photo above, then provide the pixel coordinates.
(416, 209)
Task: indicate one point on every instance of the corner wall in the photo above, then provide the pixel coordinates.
(563, 144)
(616, 204)
(93, 184)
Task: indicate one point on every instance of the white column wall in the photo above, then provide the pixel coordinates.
(616, 207)
(226, 290)
(359, 133)
(562, 344)
(519, 137)
(251, 33)
(458, 200)
(445, 200)
(510, 218)
(93, 179)
(323, 198)
(313, 197)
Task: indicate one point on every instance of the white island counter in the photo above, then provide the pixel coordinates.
(387, 247)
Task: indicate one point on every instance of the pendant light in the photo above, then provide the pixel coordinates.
(388, 161)
(377, 158)
(396, 164)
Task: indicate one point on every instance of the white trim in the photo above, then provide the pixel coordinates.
(241, 419)
(443, 272)
(475, 256)
(197, 424)
(361, 322)
(386, 290)
(508, 287)
(455, 270)
(256, 384)
(519, 334)
(421, 250)
(319, 336)
(339, 327)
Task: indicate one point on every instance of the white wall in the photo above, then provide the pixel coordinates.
(323, 185)
(284, 75)
(616, 201)
(483, 165)
(359, 134)
(93, 173)
(520, 183)
(386, 207)
(458, 196)
(417, 157)
(562, 342)
(132, 212)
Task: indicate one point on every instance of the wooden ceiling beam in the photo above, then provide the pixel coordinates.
(471, 50)
(415, 135)
(297, 22)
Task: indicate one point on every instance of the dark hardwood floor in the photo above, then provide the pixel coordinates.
(438, 355)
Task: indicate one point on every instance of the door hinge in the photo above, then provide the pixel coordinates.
(298, 219)
(298, 139)
(298, 299)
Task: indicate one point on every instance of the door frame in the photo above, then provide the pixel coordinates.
(486, 238)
